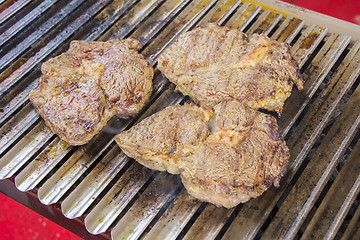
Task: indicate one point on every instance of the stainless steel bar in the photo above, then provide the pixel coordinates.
(340, 216)
(337, 201)
(228, 13)
(334, 98)
(62, 180)
(304, 53)
(37, 169)
(310, 184)
(301, 45)
(16, 76)
(353, 228)
(262, 17)
(14, 53)
(13, 129)
(136, 20)
(209, 223)
(89, 189)
(18, 155)
(139, 216)
(294, 32)
(250, 18)
(174, 219)
(273, 24)
(285, 28)
(117, 198)
(108, 17)
(161, 20)
(26, 20)
(242, 14)
(53, 189)
(13, 9)
(326, 58)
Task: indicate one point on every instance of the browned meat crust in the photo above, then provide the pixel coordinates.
(243, 156)
(159, 141)
(230, 155)
(213, 63)
(81, 89)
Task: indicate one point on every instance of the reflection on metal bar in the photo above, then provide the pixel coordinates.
(13, 9)
(21, 24)
(250, 18)
(228, 13)
(273, 24)
(16, 76)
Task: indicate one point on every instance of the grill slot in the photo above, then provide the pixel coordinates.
(115, 201)
(297, 206)
(13, 129)
(324, 60)
(31, 16)
(175, 218)
(352, 229)
(263, 21)
(338, 200)
(19, 154)
(19, 45)
(139, 216)
(117, 196)
(11, 9)
(37, 170)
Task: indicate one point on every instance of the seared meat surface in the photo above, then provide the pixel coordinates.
(213, 63)
(160, 141)
(81, 89)
(229, 155)
(242, 157)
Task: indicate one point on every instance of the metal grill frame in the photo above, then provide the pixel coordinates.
(115, 197)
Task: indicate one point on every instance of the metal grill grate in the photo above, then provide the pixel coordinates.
(319, 196)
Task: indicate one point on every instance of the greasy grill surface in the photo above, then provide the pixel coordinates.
(318, 197)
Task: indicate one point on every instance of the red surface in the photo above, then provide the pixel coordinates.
(17, 222)
(348, 10)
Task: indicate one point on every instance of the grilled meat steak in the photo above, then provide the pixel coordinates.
(160, 141)
(242, 157)
(230, 154)
(213, 63)
(81, 89)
